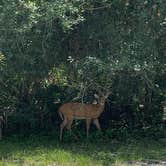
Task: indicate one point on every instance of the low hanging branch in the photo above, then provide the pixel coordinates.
(98, 8)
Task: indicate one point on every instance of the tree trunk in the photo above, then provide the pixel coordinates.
(0, 129)
(1, 126)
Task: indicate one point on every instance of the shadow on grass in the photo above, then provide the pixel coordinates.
(44, 150)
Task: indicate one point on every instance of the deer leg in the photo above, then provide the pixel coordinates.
(97, 124)
(69, 125)
(88, 121)
(63, 124)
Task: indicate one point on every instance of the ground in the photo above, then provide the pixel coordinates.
(48, 151)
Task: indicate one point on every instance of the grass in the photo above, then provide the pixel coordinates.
(47, 150)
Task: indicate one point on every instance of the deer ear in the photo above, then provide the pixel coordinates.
(96, 96)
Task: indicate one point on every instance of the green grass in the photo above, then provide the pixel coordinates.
(46, 150)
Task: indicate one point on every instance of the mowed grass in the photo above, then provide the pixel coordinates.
(48, 151)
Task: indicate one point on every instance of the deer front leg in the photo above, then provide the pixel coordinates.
(63, 124)
(69, 123)
(88, 122)
(97, 124)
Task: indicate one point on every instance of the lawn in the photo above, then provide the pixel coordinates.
(47, 151)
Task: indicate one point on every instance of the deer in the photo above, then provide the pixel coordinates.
(75, 110)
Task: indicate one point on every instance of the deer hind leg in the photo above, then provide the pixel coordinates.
(63, 124)
(97, 124)
(69, 123)
(88, 122)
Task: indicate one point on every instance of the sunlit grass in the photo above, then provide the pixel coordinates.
(44, 151)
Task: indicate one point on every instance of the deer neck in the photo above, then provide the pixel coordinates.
(101, 104)
(101, 108)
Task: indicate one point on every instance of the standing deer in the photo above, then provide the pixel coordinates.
(91, 112)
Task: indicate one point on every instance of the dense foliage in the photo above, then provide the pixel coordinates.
(69, 50)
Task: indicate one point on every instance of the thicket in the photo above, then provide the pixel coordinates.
(69, 50)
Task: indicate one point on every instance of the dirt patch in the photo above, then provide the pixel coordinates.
(147, 163)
